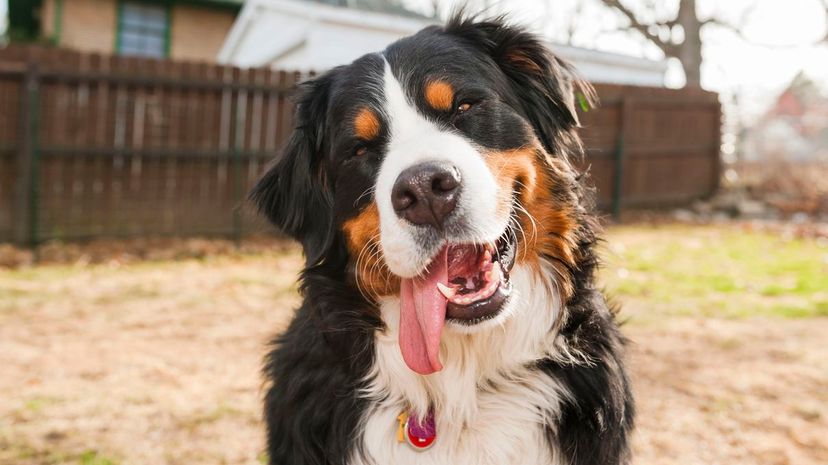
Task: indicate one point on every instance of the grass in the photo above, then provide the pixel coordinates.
(159, 362)
(164, 353)
(715, 272)
(95, 458)
(16, 452)
(92, 287)
(654, 271)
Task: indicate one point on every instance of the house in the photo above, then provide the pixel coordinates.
(794, 128)
(177, 29)
(309, 35)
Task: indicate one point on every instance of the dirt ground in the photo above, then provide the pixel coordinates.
(158, 363)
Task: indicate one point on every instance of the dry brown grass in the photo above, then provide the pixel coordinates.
(158, 363)
(148, 363)
(747, 392)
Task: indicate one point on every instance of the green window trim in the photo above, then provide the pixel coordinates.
(57, 22)
(168, 31)
(119, 23)
(118, 16)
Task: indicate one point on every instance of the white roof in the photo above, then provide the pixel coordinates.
(613, 68)
(304, 36)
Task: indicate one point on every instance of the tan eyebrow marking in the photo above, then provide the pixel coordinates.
(439, 95)
(366, 124)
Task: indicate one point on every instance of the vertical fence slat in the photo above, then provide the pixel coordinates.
(239, 134)
(716, 171)
(26, 206)
(624, 115)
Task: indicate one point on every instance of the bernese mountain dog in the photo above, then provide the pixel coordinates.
(450, 312)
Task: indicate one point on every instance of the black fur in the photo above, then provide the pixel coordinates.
(595, 423)
(545, 85)
(315, 369)
(292, 193)
(312, 408)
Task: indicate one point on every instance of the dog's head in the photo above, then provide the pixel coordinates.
(431, 170)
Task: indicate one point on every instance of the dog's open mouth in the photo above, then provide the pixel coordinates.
(464, 283)
(478, 280)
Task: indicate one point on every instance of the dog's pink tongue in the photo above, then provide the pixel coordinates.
(423, 314)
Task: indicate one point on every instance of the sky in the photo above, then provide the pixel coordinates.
(778, 31)
(3, 10)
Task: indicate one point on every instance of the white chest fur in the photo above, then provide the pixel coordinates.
(491, 406)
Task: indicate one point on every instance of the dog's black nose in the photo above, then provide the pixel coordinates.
(426, 193)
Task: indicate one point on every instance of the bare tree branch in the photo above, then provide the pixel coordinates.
(687, 46)
(825, 37)
(724, 24)
(574, 23)
(669, 23)
(643, 29)
(739, 31)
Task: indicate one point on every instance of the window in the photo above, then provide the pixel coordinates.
(143, 29)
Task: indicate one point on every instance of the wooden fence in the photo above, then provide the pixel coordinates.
(653, 148)
(94, 146)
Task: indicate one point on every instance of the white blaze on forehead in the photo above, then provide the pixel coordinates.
(414, 140)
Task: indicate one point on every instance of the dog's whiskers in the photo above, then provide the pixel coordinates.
(369, 252)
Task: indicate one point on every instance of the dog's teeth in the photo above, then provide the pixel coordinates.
(448, 292)
(487, 256)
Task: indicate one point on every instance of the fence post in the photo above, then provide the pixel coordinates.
(716, 174)
(25, 207)
(618, 171)
(239, 113)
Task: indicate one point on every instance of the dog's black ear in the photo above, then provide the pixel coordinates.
(548, 88)
(293, 192)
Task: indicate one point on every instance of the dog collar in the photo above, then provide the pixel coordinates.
(420, 436)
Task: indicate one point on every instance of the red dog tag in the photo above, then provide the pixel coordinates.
(417, 435)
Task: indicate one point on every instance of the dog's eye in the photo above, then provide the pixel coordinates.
(463, 107)
(360, 151)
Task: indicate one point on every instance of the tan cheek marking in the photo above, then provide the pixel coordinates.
(439, 95)
(360, 229)
(552, 227)
(510, 168)
(362, 237)
(366, 124)
(515, 167)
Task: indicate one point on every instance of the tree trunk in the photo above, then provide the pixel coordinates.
(689, 52)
